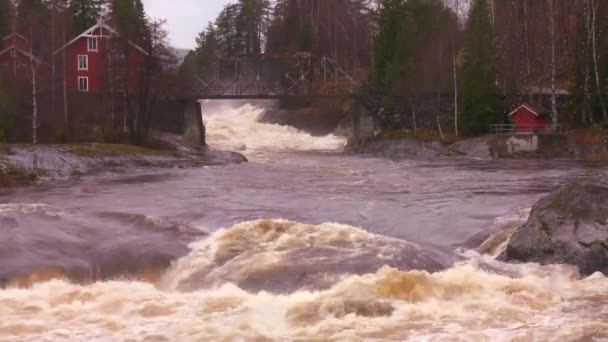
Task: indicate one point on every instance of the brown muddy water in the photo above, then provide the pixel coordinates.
(301, 244)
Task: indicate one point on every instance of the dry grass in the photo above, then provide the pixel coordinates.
(5, 148)
(424, 135)
(14, 176)
(588, 136)
(108, 150)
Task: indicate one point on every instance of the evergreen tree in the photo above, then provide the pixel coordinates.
(30, 12)
(130, 19)
(481, 99)
(226, 25)
(84, 14)
(251, 23)
(6, 11)
(6, 115)
(307, 36)
(393, 25)
(206, 52)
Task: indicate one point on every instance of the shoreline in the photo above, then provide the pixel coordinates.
(72, 161)
(586, 145)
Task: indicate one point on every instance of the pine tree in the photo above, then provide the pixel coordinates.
(6, 115)
(28, 13)
(206, 52)
(84, 14)
(481, 99)
(6, 10)
(393, 28)
(130, 19)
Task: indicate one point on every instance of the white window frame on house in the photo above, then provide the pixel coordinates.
(85, 65)
(92, 43)
(83, 86)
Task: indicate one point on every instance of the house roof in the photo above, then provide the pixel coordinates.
(16, 35)
(25, 53)
(89, 33)
(534, 109)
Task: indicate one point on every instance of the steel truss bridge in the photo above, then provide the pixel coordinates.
(267, 76)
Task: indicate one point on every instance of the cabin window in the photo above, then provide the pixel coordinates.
(92, 43)
(13, 53)
(83, 83)
(83, 62)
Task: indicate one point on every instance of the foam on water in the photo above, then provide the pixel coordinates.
(237, 128)
(465, 302)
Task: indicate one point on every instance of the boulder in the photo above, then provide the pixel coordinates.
(569, 226)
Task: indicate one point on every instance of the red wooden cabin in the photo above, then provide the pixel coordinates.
(529, 118)
(91, 57)
(15, 57)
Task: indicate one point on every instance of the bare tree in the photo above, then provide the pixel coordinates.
(553, 67)
(34, 66)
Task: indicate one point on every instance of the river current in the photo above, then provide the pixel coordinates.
(303, 243)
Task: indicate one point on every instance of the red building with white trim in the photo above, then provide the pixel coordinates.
(91, 59)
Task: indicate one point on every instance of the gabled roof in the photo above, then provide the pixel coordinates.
(536, 110)
(25, 53)
(16, 35)
(91, 30)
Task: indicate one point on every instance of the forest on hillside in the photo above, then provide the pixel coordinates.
(480, 56)
(469, 61)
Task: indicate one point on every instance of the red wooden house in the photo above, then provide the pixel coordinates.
(16, 57)
(91, 59)
(529, 118)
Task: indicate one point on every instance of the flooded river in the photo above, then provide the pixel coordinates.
(302, 243)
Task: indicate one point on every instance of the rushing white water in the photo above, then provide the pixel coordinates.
(520, 302)
(236, 128)
(280, 280)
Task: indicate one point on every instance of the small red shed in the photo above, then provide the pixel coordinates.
(529, 118)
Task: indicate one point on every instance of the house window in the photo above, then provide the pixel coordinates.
(13, 53)
(92, 43)
(83, 84)
(83, 62)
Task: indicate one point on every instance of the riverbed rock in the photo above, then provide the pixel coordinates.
(569, 226)
(397, 148)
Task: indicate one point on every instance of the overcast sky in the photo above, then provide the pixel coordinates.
(185, 18)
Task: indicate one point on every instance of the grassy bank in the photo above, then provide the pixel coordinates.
(12, 176)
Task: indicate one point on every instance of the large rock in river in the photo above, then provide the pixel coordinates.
(569, 226)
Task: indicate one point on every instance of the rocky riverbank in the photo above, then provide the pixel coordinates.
(76, 160)
(583, 144)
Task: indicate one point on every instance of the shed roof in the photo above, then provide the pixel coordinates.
(534, 109)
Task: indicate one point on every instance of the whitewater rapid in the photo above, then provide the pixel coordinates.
(201, 255)
(465, 302)
(236, 127)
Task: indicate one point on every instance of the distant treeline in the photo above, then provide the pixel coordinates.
(487, 55)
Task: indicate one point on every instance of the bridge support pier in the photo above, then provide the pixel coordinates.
(194, 125)
(202, 132)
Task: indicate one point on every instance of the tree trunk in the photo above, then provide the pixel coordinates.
(414, 121)
(598, 84)
(553, 90)
(586, 113)
(455, 74)
(527, 48)
(65, 88)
